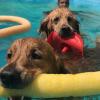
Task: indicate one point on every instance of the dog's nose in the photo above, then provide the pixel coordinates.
(9, 79)
(4, 75)
(66, 28)
(5, 78)
(66, 32)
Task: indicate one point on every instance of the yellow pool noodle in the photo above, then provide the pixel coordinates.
(59, 85)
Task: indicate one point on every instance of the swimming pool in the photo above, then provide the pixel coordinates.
(88, 14)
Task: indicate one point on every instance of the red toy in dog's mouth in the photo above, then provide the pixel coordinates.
(64, 44)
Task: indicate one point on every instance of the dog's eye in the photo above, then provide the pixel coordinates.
(56, 20)
(36, 54)
(9, 55)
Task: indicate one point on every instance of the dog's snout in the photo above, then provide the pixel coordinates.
(4, 77)
(9, 78)
(66, 32)
(64, 25)
(13, 78)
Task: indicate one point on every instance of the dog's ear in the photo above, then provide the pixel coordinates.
(74, 23)
(45, 28)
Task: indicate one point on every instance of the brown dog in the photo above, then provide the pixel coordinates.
(28, 58)
(60, 20)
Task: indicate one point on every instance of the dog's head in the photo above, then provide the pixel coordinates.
(27, 58)
(60, 20)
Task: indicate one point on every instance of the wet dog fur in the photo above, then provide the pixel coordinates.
(27, 58)
(58, 20)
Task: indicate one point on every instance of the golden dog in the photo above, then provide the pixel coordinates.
(63, 21)
(60, 20)
(28, 58)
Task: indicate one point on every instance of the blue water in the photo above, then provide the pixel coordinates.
(87, 11)
(23, 8)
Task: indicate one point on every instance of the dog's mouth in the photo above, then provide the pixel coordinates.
(66, 32)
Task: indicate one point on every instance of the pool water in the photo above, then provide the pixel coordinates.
(87, 11)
